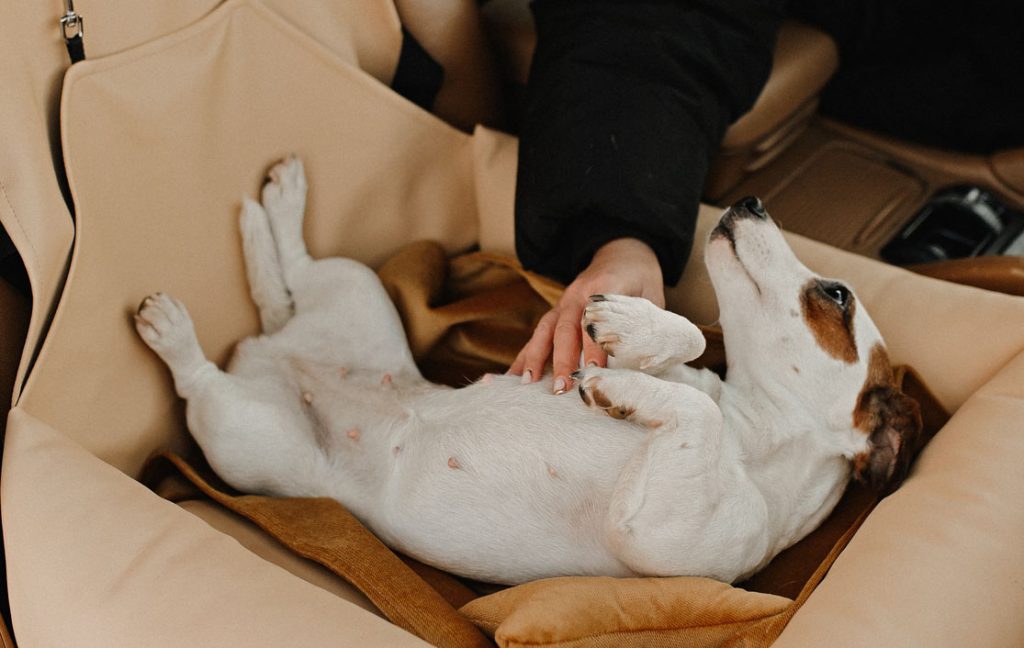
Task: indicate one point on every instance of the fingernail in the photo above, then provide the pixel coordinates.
(527, 377)
(560, 385)
(592, 363)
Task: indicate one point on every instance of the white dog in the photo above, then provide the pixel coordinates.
(506, 482)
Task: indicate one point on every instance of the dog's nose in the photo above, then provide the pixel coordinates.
(753, 206)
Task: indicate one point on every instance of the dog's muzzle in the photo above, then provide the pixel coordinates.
(750, 207)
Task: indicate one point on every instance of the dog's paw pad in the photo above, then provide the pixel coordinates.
(592, 386)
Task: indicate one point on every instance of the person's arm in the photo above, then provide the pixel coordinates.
(626, 103)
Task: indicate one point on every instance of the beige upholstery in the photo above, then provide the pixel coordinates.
(261, 544)
(32, 210)
(939, 563)
(95, 559)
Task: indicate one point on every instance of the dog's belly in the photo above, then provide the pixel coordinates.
(496, 481)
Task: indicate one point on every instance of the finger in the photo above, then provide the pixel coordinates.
(566, 358)
(538, 349)
(516, 368)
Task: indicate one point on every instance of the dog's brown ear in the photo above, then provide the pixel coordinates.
(892, 421)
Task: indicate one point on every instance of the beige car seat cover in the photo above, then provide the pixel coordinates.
(96, 559)
(221, 94)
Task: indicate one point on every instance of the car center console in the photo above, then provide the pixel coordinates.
(959, 222)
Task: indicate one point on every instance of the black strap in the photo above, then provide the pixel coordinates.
(72, 28)
(418, 76)
(76, 49)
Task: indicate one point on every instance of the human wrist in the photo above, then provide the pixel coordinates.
(626, 246)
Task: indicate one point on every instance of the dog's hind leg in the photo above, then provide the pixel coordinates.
(678, 508)
(243, 429)
(284, 199)
(266, 278)
(349, 318)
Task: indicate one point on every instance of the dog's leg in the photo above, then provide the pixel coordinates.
(164, 325)
(350, 318)
(639, 335)
(244, 433)
(284, 198)
(677, 507)
(266, 278)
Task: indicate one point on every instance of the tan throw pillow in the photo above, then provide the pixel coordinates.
(621, 612)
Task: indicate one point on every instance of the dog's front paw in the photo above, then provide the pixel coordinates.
(284, 194)
(618, 393)
(639, 335)
(165, 326)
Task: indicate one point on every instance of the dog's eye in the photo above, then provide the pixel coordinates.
(837, 292)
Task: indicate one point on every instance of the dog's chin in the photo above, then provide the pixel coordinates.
(725, 267)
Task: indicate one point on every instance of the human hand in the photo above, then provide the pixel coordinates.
(624, 266)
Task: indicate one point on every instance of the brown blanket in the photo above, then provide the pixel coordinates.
(470, 315)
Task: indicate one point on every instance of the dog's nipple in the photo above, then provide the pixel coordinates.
(343, 372)
(307, 398)
(453, 463)
(396, 450)
(353, 434)
(386, 379)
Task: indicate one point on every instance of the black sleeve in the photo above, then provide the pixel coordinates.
(626, 103)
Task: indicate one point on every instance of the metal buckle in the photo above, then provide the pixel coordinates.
(71, 24)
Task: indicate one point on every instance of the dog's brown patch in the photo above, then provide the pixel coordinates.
(600, 399)
(831, 324)
(585, 395)
(597, 397)
(892, 422)
(620, 412)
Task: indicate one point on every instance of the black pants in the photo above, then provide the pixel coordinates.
(946, 73)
